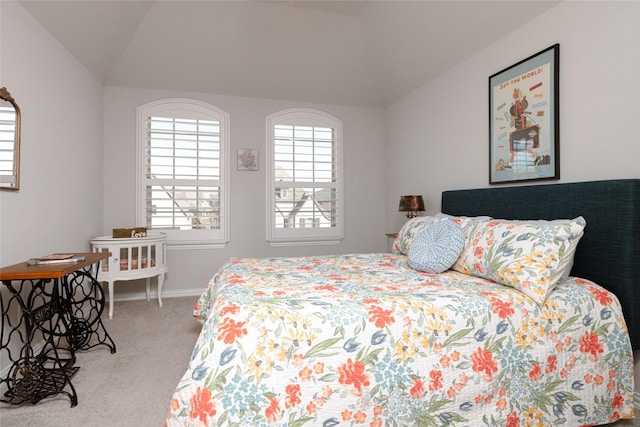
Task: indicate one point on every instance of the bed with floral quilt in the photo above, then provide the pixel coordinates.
(494, 333)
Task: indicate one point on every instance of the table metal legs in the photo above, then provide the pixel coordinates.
(44, 323)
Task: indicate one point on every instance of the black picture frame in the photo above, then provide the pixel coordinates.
(524, 120)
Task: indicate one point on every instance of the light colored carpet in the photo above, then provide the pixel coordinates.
(132, 387)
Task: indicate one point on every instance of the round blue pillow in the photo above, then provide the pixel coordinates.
(437, 248)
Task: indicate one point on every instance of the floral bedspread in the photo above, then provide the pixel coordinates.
(363, 339)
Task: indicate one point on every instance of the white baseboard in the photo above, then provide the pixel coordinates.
(135, 296)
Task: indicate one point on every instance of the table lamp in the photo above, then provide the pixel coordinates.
(411, 205)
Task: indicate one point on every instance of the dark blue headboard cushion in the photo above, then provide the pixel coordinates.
(609, 251)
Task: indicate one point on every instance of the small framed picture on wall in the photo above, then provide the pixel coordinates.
(247, 159)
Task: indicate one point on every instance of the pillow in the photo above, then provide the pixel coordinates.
(409, 231)
(463, 221)
(570, 256)
(531, 256)
(437, 247)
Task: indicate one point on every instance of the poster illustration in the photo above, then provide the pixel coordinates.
(523, 120)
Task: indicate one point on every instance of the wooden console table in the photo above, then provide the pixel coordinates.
(63, 304)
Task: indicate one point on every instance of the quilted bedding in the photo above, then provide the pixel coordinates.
(363, 339)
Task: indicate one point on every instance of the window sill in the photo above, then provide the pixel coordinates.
(194, 245)
(278, 244)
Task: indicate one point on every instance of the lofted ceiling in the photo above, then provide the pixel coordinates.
(362, 52)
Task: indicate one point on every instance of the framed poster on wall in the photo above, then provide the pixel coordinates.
(524, 122)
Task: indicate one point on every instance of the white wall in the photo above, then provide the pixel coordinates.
(189, 270)
(59, 203)
(440, 132)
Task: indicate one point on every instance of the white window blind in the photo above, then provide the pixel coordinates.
(7, 144)
(182, 178)
(305, 158)
(305, 188)
(182, 174)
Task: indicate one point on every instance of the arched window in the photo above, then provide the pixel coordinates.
(182, 171)
(304, 186)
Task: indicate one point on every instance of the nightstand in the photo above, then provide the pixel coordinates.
(391, 237)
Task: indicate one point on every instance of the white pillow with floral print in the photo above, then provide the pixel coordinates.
(527, 255)
(410, 231)
(463, 221)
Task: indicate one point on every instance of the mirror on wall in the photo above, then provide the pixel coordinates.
(9, 142)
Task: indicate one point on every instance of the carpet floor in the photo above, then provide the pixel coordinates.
(132, 387)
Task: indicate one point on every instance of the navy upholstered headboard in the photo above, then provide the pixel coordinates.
(609, 251)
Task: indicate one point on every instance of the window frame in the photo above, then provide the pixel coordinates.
(304, 236)
(185, 109)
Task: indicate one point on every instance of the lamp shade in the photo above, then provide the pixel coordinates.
(411, 205)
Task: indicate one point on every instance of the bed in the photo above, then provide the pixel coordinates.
(388, 339)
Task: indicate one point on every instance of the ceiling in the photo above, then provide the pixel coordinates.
(361, 53)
